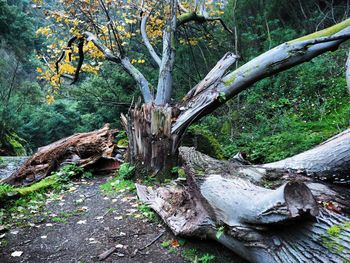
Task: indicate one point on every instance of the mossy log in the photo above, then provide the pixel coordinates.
(264, 214)
(83, 149)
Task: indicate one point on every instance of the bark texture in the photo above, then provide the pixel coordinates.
(263, 214)
(151, 143)
(83, 149)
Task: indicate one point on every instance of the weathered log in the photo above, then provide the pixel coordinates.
(329, 161)
(292, 222)
(83, 149)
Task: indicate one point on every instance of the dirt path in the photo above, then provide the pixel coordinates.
(82, 223)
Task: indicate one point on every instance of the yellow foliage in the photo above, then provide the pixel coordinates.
(90, 69)
(67, 68)
(50, 99)
(39, 70)
(44, 31)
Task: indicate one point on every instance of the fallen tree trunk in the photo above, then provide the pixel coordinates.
(263, 213)
(83, 149)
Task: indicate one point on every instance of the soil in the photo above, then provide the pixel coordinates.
(92, 224)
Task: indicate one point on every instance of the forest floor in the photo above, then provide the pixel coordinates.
(82, 222)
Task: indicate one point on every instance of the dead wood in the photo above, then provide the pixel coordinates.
(83, 149)
(262, 214)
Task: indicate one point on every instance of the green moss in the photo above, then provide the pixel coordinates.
(334, 231)
(325, 32)
(185, 17)
(14, 145)
(230, 78)
(204, 141)
(48, 182)
(331, 238)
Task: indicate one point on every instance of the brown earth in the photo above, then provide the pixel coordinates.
(83, 222)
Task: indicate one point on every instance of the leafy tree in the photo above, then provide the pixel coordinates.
(111, 33)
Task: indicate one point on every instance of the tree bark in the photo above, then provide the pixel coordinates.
(151, 143)
(83, 149)
(263, 213)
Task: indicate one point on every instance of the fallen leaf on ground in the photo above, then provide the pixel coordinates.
(174, 243)
(17, 253)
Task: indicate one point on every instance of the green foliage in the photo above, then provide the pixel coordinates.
(126, 171)
(331, 239)
(194, 256)
(2, 162)
(204, 141)
(5, 190)
(147, 212)
(220, 232)
(70, 171)
(116, 184)
(16, 27)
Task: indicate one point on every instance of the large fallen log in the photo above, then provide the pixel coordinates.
(263, 213)
(82, 149)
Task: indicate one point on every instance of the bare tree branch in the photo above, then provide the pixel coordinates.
(146, 40)
(81, 60)
(269, 63)
(168, 56)
(193, 16)
(69, 46)
(126, 64)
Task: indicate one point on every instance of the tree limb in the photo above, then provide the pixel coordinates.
(267, 64)
(126, 64)
(165, 80)
(146, 40)
(193, 16)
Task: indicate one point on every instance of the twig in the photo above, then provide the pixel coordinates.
(153, 241)
(107, 253)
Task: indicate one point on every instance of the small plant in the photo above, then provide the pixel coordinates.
(222, 96)
(146, 211)
(126, 171)
(220, 232)
(116, 184)
(166, 243)
(207, 258)
(192, 255)
(70, 171)
(6, 190)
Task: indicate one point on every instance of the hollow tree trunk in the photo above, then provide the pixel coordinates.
(151, 143)
(268, 214)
